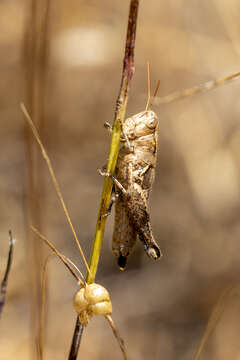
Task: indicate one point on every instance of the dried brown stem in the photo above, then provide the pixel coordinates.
(117, 336)
(121, 104)
(3, 288)
(209, 85)
(35, 56)
(54, 180)
(43, 304)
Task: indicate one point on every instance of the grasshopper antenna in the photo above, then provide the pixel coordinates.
(149, 104)
(148, 86)
(156, 90)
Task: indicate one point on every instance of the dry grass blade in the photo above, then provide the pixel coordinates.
(209, 85)
(214, 318)
(43, 303)
(5, 278)
(61, 256)
(54, 180)
(117, 336)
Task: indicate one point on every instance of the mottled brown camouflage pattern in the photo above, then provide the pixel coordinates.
(135, 171)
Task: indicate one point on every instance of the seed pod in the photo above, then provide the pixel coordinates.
(79, 302)
(102, 308)
(95, 293)
(92, 300)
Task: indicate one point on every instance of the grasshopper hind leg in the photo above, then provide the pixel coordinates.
(138, 212)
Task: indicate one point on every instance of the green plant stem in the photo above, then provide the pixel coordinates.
(121, 105)
(119, 116)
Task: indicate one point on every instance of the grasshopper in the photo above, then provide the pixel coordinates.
(135, 172)
(134, 175)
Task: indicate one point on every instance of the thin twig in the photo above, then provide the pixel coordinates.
(76, 340)
(43, 303)
(117, 336)
(5, 278)
(213, 320)
(209, 85)
(35, 61)
(119, 116)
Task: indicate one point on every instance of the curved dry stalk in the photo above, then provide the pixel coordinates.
(35, 51)
(77, 269)
(43, 287)
(213, 320)
(43, 303)
(62, 257)
(54, 180)
(117, 336)
(3, 288)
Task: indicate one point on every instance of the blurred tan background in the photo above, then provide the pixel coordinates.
(161, 309)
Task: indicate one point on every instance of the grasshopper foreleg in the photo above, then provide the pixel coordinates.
(116, 182)
(124, 135)
(108, 126)
(114, 198)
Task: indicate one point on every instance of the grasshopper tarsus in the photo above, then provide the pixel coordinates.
(108, 126)
(154, 252)
(116, 182)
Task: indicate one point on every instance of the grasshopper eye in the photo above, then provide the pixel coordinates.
(152, 120)
(131, 134)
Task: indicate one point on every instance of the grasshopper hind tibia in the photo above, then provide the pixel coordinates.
(153, 252)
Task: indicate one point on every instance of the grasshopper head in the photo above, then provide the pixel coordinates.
(144, 123)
